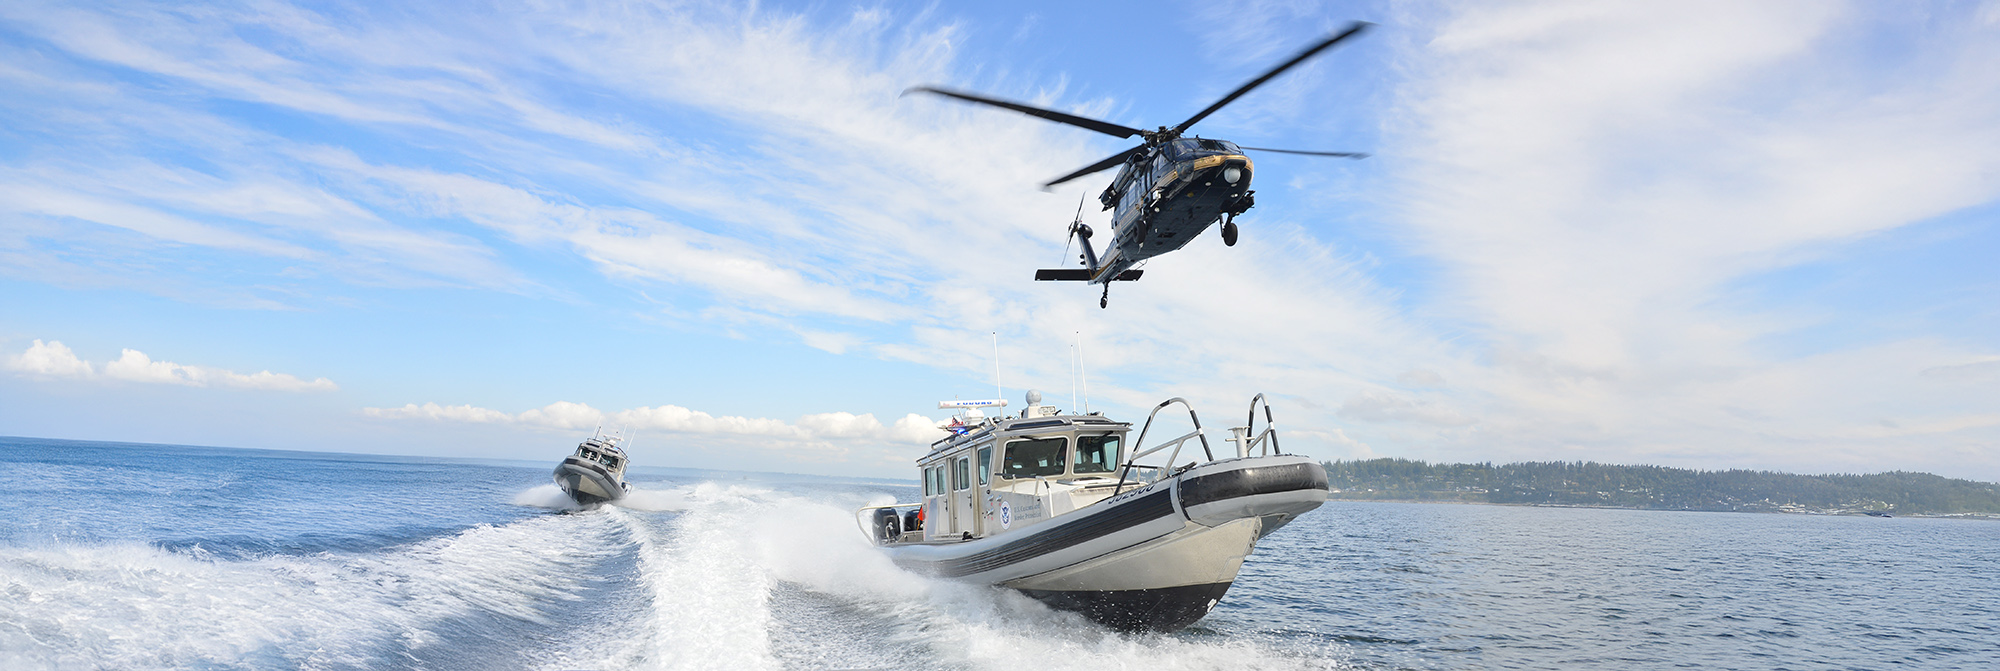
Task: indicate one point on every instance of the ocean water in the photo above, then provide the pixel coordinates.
(120, 556)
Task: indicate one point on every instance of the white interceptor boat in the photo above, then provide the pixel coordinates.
(1059, 507)
(595, 473)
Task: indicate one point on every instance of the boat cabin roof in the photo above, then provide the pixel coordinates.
(1010, 427)
(602, 445)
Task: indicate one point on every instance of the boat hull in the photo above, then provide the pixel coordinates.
(1164, 609)
(587, 483)
(1156, 558)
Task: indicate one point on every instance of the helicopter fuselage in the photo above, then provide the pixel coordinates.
(1165, 196)
(1168, 190)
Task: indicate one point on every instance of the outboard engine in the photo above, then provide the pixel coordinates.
(888, 527)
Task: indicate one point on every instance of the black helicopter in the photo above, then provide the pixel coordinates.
(1170, 188)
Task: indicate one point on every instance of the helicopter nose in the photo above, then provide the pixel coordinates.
(1232, 174)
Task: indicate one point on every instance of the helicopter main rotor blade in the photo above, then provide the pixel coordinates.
(1104, 127)
(1094, 167)
(1351, 31)
(1342, 154)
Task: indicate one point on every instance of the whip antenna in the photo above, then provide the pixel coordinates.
(1072, 378)
(996, 366)
(1086, 374)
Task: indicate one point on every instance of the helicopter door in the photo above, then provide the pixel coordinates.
(964, 517)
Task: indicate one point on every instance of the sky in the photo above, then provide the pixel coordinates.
(1705, 235)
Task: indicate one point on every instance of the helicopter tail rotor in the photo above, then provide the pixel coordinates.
(1076, 227)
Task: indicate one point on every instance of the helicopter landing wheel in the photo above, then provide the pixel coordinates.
(1105, 301)
(1229, 232)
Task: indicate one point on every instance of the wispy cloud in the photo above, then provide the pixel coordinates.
(1576, 188)
(819, 434)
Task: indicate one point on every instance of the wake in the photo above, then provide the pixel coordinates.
(551, 497)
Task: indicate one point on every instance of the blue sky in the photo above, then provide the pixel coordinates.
(1709, 235)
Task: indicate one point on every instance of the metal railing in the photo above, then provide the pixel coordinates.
(1132, 462)
(1268, 439)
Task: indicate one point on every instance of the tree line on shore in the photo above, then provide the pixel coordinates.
(1579, 483)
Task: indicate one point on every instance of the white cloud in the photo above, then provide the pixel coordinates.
(135, 366)
(1374, 405)
(563, 415)
(433, 411)
(1592, 180)
(53, 359)
(1353, 449)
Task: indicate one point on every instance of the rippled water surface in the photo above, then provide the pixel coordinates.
(140, 556)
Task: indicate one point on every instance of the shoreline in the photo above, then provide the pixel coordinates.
(1990, 517)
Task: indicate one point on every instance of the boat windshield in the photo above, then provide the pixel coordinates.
(1034, 457)
(610, 462)
(1097, 454)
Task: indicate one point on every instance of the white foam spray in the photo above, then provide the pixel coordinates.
(715, 570)
(654, 500)
(136, 606)
(546, 496)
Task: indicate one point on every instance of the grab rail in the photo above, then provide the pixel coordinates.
(1125, 472)
(1270, 430)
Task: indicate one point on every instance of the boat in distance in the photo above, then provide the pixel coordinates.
(595, 473)
(1056, 506)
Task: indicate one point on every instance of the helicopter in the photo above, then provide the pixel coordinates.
(1169, 189)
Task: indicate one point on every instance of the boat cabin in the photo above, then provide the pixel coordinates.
(996, 475)
(604, 451)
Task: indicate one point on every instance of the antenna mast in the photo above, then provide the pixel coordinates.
(996, 366)
(1072, 375)
(1086, 374)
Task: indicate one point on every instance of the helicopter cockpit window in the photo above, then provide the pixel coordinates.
(1188, 149)
(1034, 457)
